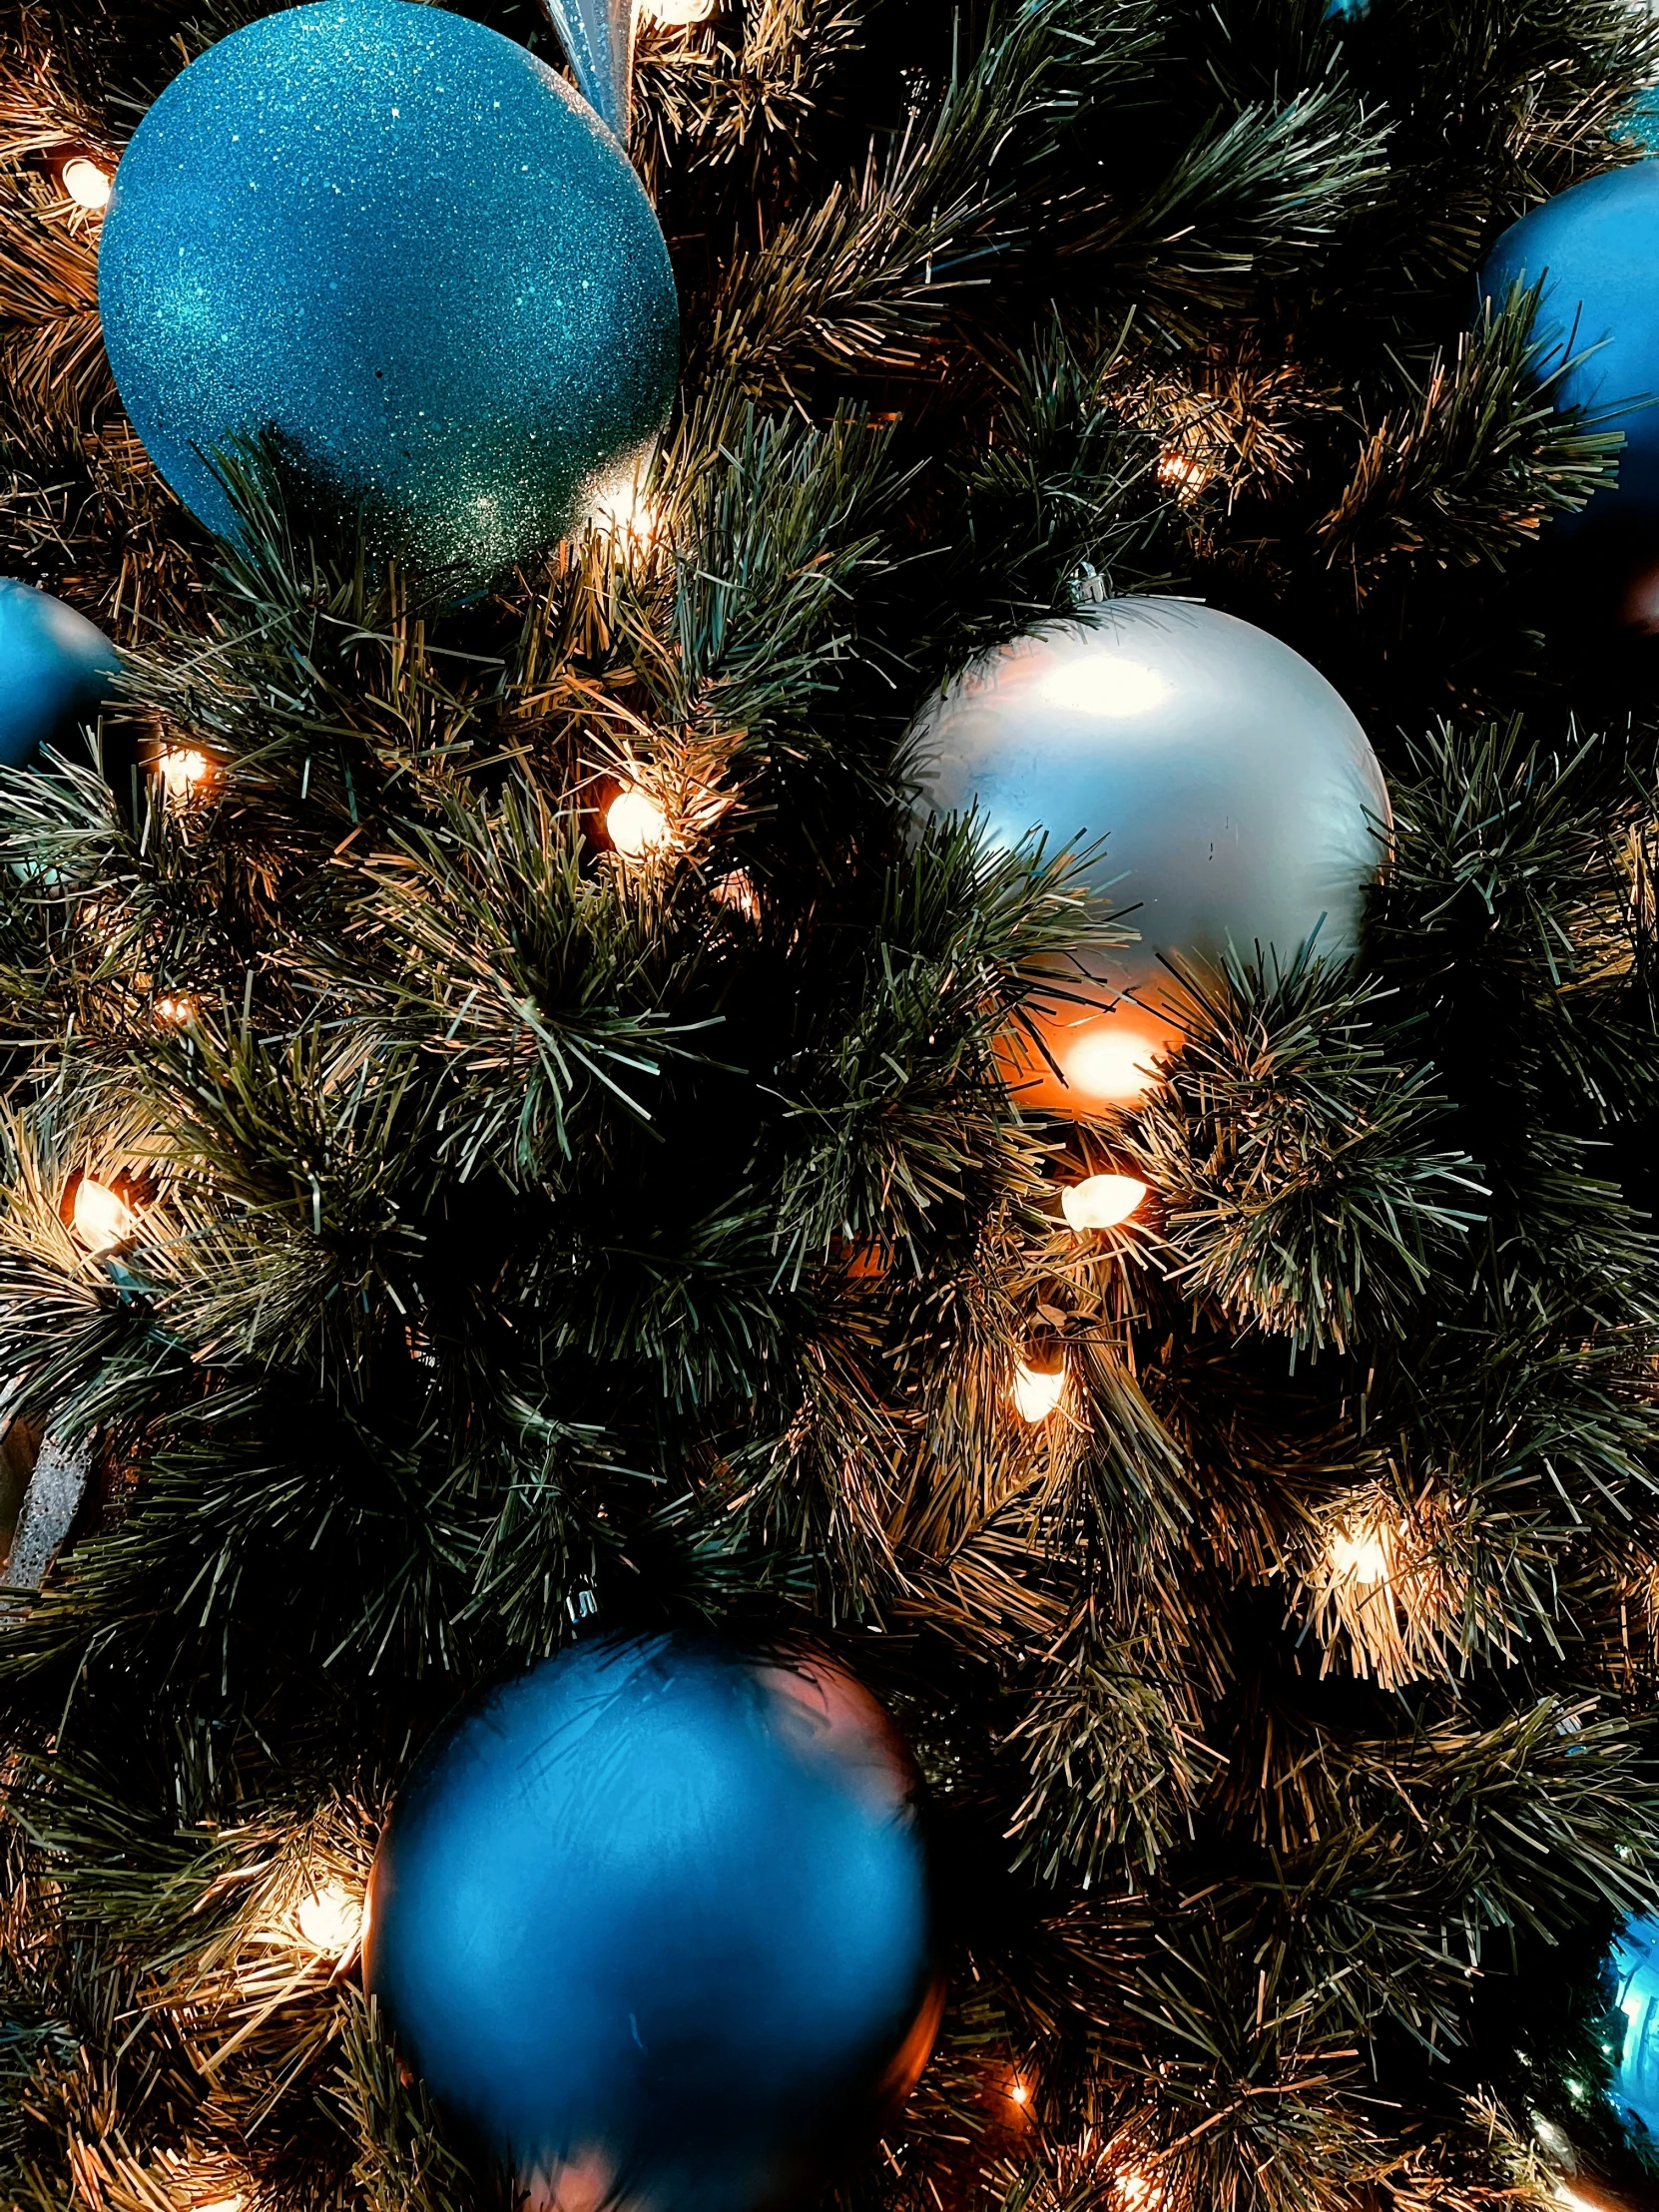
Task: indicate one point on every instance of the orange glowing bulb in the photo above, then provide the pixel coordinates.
(182, 769)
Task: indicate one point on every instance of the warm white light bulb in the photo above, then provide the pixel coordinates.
(1019, 2092)
(676, 12)
(182, 770)
(1360, 1555)
(1138, 2193)
(636, 824)
(103, 1218)
(1036, 1390)
(1111, 1064)
(330, 1919)
(86, 184)
(179, 1012)
(621, 502)
(1101, 1201)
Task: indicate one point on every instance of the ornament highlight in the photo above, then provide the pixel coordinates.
(1241, 806)
(1101, 1201)
(653, 1921)
(402, 253)
(56, 671)
(1592, 248)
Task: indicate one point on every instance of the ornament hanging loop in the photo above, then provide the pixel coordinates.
(598, 39)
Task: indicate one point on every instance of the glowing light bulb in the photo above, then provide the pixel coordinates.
(737, 892)
(330, 1919)
(1360, 1555)
(103, 1218)
(1110, 1063)
(84, 183)
(181, 770)
(1104, 684)
(621, 503)
(1138, 2193)
(1036, 1390)
(676, 12)
(636, 824)
(1181, 473)
(1101, 1201)
(1021, 2093)
(176, 1013)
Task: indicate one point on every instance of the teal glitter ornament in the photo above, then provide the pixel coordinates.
(396, 250)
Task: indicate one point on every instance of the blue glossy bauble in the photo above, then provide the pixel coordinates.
(1594, 248)
(1230, 799)
(1636, 2073)
(653, 1921)
(399, 248)
(56, 671)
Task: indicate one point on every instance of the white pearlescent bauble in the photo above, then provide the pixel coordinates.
(1241, 804)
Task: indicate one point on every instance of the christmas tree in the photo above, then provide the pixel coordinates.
(446, 1215)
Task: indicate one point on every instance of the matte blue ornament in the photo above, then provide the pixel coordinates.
(1595, 248)
(653, 1921)
(1636, 2075)
(56, 670)
(403, 251)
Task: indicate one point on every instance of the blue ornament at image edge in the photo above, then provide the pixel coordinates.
(653, 1921)
(1594, 247)
(1636, 2075)
(56, 671)
(400, 249)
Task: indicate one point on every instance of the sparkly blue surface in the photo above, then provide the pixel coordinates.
(1596, 248)
(54, 671)
(654, 1920)
(400, 244)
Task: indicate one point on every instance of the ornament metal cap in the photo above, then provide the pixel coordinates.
(598, 39)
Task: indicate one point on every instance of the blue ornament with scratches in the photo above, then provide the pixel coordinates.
(56, 671)
(399, 252)
(653, 1921)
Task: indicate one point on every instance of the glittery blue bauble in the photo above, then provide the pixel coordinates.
(653, 1922)
(402, 249)
(1596, 246)
(54, 671)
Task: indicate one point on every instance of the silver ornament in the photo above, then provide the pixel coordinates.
(598, 39)
(1240, 802)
